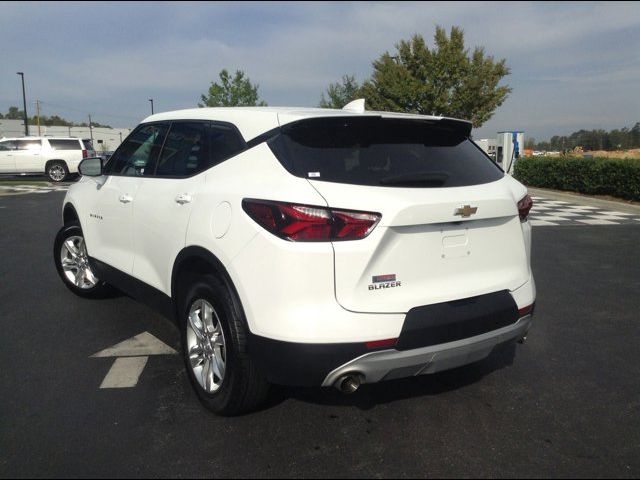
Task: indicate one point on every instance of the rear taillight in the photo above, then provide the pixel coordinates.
(305, 223)
(85, 154)
(525, 310)
(524, 206)
(391, 342)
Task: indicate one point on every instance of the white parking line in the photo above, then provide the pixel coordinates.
(597, 222)
(541, 223)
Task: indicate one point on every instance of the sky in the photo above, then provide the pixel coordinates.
(573, 65)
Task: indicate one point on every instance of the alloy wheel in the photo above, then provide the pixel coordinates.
(206, 346)
(75, 263)
(57, 173)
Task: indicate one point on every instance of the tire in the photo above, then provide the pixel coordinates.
(230, 384)
(57, 171)
(72, 263)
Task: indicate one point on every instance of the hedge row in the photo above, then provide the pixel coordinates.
(593, 176)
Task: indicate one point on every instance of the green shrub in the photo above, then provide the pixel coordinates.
(593, 176)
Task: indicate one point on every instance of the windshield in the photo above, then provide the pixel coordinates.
(383, 152)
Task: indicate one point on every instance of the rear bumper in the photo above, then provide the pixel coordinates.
(391, 364)
(433, 338)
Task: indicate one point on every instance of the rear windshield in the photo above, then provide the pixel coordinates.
(383, 152)
(65, 144)
(87, 144)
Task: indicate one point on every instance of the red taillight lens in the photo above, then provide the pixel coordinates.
(525, 311)
(391, 342)
(305, 223)
(85, 154)
(524, 206)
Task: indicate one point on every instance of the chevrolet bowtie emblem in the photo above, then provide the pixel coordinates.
(465, 211)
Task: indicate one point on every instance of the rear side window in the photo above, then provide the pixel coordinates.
(138, 153)
(7, 146)
(65, 144)
(28, 144)
(185, 151)
(192, 147)
(225, 142)
(383, 152)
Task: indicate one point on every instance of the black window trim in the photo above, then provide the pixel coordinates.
(208, 123)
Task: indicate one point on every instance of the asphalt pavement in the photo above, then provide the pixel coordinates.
(566, 405)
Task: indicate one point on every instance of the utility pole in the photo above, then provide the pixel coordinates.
(38, 115)
(24, 103)
(120, 136)
(151, 100)
(90, 130)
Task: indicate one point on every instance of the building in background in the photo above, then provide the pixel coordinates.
(505, 149)
(488, 145)
(104, 139)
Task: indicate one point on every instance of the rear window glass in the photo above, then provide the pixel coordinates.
(382, 152)
(65, 144)
(87, 144)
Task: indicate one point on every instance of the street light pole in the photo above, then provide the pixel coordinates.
(151, 100)
(24, 103)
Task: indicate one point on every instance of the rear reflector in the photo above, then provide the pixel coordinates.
(306, 223)
(525, 311)
(524, 206)
(85, 154)
(390, 342)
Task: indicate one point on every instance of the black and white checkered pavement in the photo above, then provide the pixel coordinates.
(547, 212)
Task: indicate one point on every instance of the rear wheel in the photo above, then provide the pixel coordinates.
(72, 263)
(214, 349)
(57, 171)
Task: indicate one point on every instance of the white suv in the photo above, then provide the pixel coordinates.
(57, 157)
(306, 246)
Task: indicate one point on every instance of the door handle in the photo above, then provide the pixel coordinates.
(183, 198)
(126, 198)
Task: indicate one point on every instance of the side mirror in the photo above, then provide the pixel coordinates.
(91, 167)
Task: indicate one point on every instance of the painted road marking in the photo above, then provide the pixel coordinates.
(125, 372)
(132, 355)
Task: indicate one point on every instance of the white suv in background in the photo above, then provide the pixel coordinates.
(57, 157)
(306, 246)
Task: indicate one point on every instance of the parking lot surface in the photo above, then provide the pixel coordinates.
(567, 404)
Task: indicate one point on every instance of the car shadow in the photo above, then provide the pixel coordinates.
(369, 396)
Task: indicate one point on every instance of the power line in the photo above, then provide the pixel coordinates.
(84, 111)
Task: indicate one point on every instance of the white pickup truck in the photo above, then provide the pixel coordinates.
(57, 157)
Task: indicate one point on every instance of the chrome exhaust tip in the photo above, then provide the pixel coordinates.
(349, 383)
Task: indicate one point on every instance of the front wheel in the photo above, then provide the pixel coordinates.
(72, 263)
(214, 340)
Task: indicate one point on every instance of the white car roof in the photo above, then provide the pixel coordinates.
(31, 137)
(254, 121)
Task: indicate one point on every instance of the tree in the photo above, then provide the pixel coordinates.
(14, 113)
(530, 143)
(445, 80)
(341, 93)
(236, 92)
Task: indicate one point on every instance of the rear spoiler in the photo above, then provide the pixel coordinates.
(460, 126)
